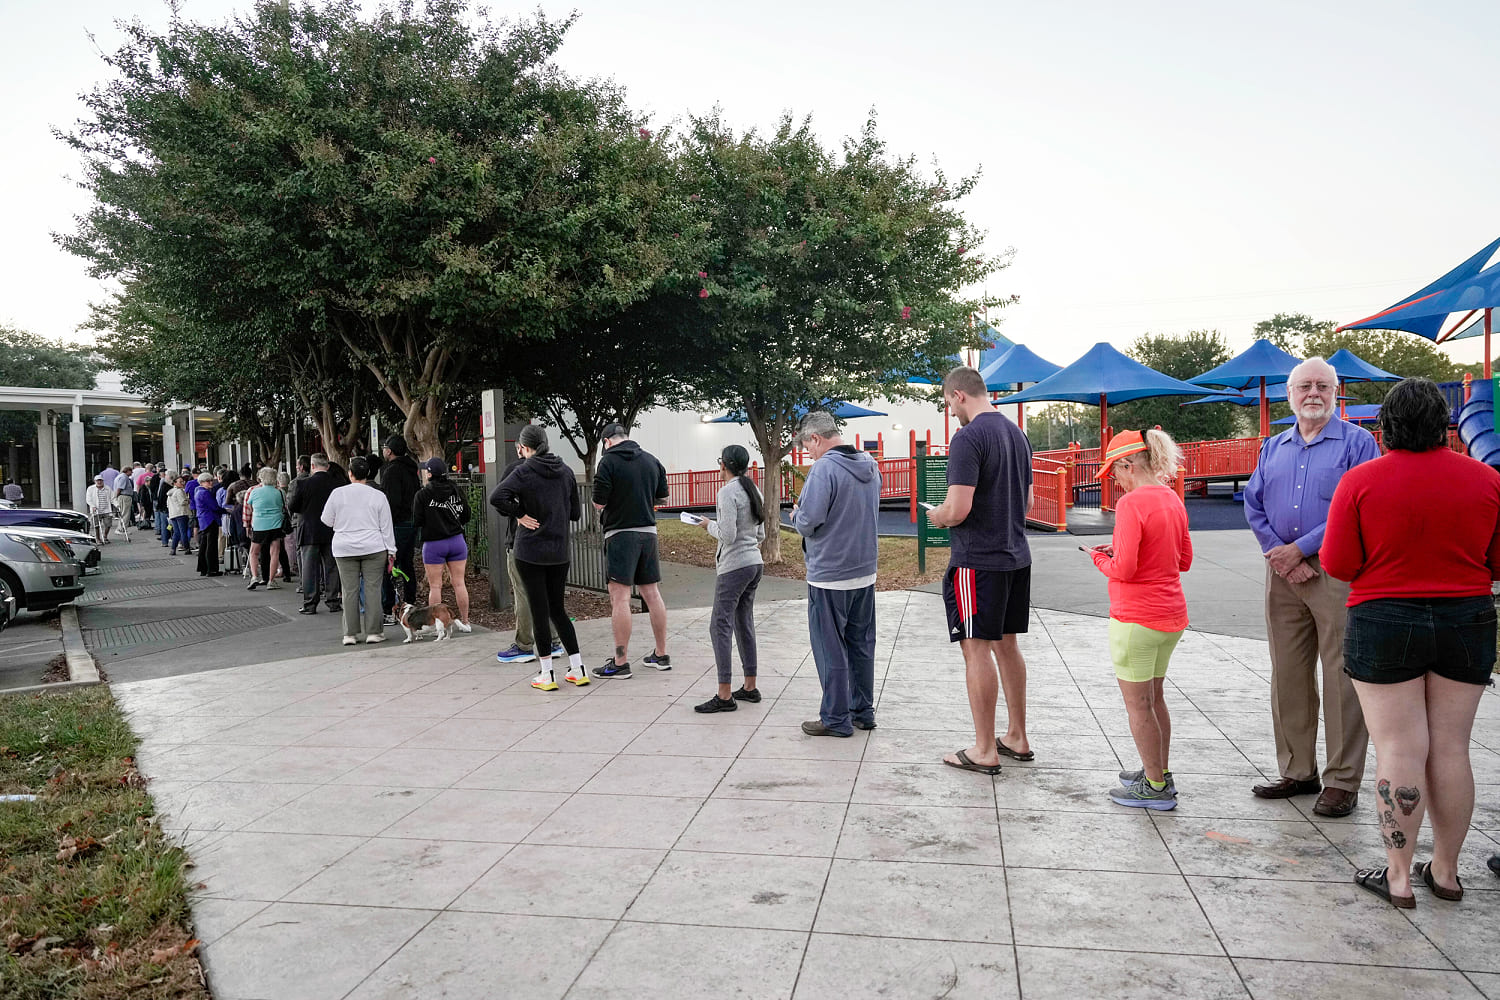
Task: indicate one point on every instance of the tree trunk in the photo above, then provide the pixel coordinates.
(770, 456)
(421, 430)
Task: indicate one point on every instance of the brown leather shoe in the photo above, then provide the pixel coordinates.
(1285, 788)
(1336, 802)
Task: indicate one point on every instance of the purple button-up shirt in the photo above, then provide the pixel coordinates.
(1287, 498)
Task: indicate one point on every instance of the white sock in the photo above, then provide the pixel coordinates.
(575, 661)
(544, 666)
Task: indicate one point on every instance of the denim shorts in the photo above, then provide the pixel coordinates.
(1391, 640)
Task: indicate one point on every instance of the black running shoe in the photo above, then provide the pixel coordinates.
(717, 704)
(661, 661)
(612, 669)
(743, 695)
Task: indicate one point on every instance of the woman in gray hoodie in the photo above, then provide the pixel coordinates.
(739, 528)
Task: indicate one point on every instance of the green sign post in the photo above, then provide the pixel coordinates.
(932, 488)
(1495, 395)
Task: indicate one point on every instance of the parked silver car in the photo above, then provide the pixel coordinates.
(8, 607)
(40, 567)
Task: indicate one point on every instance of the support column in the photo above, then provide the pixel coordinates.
(46, 461)
(127, 446)
(77, 482)
(192, 441)
(169, 445)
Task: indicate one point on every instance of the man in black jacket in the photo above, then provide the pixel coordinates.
(320, 574)
(627, 487)
(399, 480)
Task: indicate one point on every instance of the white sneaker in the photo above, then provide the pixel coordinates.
(371, 639)
(462, 626)
(349, 640)
(273, 585)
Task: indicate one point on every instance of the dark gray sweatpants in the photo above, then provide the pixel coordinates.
(841, 624)
(734, 613)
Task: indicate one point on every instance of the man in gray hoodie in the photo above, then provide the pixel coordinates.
(836, 517)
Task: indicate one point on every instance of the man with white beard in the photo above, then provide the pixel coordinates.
(1286, 503)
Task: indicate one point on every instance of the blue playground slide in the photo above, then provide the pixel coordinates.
(1476, 423)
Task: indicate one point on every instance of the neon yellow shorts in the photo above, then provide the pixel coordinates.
(1140, 653)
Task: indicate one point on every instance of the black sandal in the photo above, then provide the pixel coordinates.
(1373, 880)
(1008, 752)
(1494, 863)
(1423, 871)
(965, 764)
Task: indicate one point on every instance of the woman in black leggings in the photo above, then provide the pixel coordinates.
(542, 495)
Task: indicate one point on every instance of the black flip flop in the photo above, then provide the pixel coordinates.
(1423, 871)
(1494, 863)
(1008, 752)
(965, 764)
(1373, 880)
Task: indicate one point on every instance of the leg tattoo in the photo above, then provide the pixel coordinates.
(1384, 788)
(1407, 799)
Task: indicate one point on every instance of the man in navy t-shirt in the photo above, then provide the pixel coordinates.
(987, 589)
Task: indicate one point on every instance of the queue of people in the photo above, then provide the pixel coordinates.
(1378, 583)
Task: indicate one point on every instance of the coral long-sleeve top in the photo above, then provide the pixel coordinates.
(1152, 549)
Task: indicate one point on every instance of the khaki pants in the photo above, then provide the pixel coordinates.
(1305, 623)
(524, 638)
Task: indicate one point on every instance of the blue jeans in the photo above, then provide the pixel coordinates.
(163, 526)
(180, 533)
(841, 624)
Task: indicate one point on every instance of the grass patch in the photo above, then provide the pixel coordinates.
(896, 569)
(93, 895)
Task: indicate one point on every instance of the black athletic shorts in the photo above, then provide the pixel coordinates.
(631, 557)
(267, 536)
(986, 603)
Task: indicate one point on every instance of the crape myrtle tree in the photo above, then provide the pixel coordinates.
(397, 191)
(830, 276)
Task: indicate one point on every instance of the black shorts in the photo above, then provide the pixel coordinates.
(266, 537)
(631, 557)
(987, 603)
(1388, 641)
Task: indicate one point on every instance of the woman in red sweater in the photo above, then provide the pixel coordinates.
(1147, 610)
(1417, 535)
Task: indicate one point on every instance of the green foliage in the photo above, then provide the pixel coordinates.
(401, 196)
(830, 275)
(1054, 425)
(1399, 353)
(1182, 358)
(29, 360)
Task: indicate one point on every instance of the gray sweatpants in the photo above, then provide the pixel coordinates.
(734, 612)
(352, 571)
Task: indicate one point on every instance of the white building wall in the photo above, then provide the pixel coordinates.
(682, 442)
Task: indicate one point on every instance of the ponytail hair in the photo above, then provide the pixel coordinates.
(535, 438)
(1163, 457)
(737, 460)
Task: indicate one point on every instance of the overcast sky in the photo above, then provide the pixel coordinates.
(1157, 166)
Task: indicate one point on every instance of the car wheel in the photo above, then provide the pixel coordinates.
(7, 608)
(13, 583)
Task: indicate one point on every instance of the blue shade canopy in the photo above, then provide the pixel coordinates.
(1261, 360)
(1352, 368)
(1473, 328)
(993, 345)
(1424, 311)
(1014, 367)
(1104, 371)
(840, 411)
(1274, 394)
(1364, 413)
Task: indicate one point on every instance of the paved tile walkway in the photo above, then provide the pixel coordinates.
(415, 821)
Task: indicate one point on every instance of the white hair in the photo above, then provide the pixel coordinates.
(820, 423)
(205, 477)
(1314, 362)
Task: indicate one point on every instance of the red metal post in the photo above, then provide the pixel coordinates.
(1265, 414)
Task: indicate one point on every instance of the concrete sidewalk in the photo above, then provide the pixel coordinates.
(416, 821)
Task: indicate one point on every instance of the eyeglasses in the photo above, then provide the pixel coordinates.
(1309, 386)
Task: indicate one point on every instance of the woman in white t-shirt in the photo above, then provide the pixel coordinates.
(364, 544)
